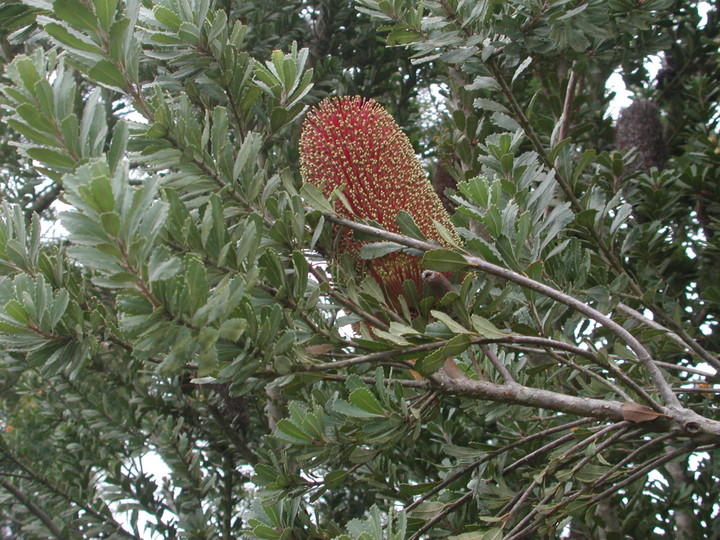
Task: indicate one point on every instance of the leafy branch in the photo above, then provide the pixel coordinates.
(690, 422)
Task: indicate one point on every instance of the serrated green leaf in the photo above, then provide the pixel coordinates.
(161, 267)
(27, 71)
(587, 158)
(52, 158)
(76, 14)
(446, 234)
(232, 329)
(291, 432)
(74, 41)
(401, 36)
(408, 227)
(489, 105)
(107, 74)
(522, 67)
(448, 321)
(483, 83)
(31, 133)
(443, 260)
(364, 399)
(374, 250)
(8, 328)
(118, 144)
(560, 145)
(167, 17)
(60, 304)
(16, 310)
(402, 329)
(392, 338)
(315, 198)
(105, 11)
(485, 328)
(32, 115)
(110, 223)
(428, 510)
(265, 532)
(348, 409)
(435, 360)
(335, 479)
(622, 214)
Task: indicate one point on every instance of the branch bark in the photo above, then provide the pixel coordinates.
(35, 509)
(45, 199)
(531, 397)
(691, 422)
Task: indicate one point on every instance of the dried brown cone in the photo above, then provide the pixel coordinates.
(442, 181)
(233, 408)
(639, 126)
(353, 144)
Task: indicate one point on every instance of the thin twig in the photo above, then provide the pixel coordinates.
(569, 95)
(532, 455)
(376, 357)
(688, 369)
(696, 390)
(690, 344)
(611, 258)
(590, 373)
(631, 456)
(518, 394)
(605, 365)
(621, 427)
(618, 434)
(567, 500)
(692, 422)
(33, 508)
(423, 384)
(497, 364)
(531, 134)
(522, 533)
(347, 303)
(517, 503)
(452, 478)
(649, 466)
(476, 262)
(447, 510)
(44, 200)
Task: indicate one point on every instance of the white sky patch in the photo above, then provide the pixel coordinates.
(53, 230)
(623, 96)
(154, 465)
(653, 64)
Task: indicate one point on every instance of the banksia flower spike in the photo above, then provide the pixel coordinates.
(639, 126)
(353, 143)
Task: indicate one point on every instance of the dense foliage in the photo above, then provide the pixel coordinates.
(172, 295)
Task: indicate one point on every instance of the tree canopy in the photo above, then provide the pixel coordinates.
(178, 286)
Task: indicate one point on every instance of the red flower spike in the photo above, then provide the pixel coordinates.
(353, 142)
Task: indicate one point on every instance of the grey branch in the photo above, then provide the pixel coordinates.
(45, 199)
(690, 421)
(35, 509)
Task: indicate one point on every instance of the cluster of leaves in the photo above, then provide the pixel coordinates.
(189, 316)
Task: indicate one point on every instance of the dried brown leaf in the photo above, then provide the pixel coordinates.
(317, 350)
(634, 412)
